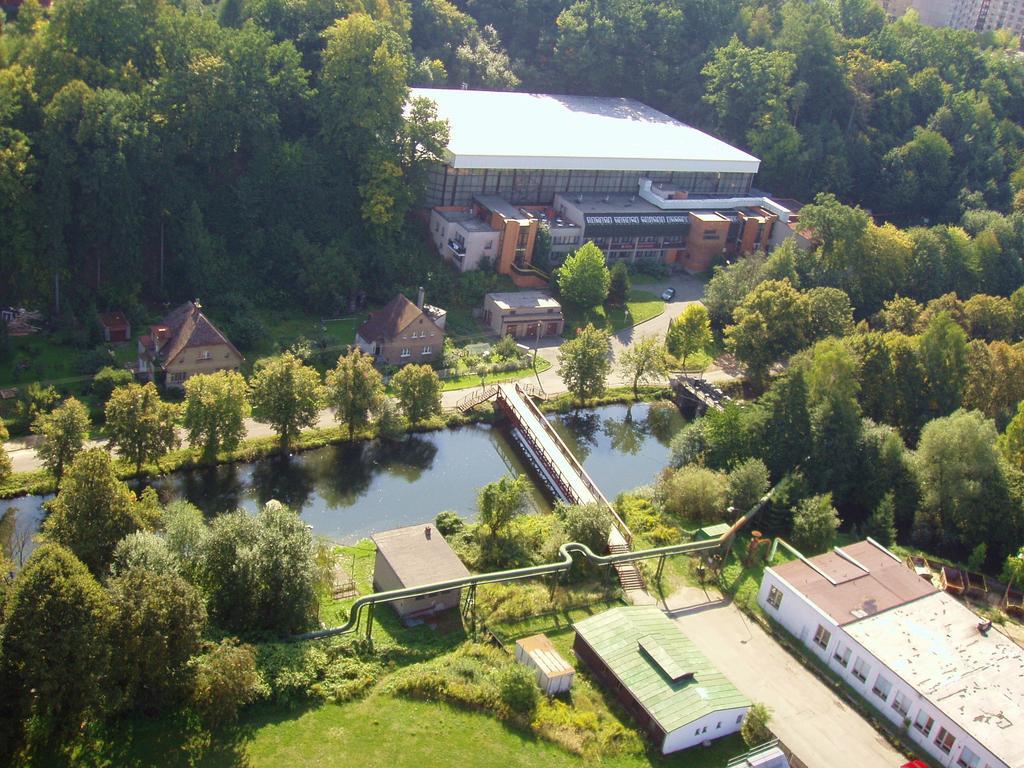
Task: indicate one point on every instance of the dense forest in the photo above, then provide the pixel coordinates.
(257, 150)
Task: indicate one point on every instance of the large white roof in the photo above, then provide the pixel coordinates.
(493, 129)
(977, 680)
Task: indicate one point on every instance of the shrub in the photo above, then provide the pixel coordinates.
(449, 523)
(517, 690)
(755, 728)
(107, 379)
(587, 524)
(506, 347)
(815, 522)
(695, 493)
(225, 680)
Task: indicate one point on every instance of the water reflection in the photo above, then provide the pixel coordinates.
(349, 491)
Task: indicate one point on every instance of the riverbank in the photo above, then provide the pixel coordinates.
(41, 482)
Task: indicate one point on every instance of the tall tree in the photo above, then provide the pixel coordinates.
(54, 650)
(158, 623)
(583, 362)
(619, 286)
(63, 431)
(6, 465)
(141, 425)
(769, 324)
(501, 501)
(93, 510)
(584, 279)
(216, 407)
(689, 333)
(815, 522)
(354, 389)
(287, 395)
(787, 437)
(419, 392)
(643, 361)
(943, 352)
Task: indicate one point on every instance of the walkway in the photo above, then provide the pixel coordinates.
(821, 729)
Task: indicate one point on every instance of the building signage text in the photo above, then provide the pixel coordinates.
(635, 220)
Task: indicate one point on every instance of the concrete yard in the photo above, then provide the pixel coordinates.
(813, 722)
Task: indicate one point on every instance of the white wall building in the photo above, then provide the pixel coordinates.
(920, 657)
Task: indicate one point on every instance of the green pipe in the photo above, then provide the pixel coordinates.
(566, 551)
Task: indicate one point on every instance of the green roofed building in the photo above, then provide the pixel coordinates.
(665, 683)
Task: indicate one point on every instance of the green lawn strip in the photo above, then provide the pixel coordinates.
(642, 306)
(472, 380)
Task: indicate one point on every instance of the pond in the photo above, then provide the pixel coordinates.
(348, 492)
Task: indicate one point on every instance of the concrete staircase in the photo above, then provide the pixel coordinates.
(629, 575)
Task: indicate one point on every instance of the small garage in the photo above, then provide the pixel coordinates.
(116, 328)
(668, 686)
(413, 557)
(554, 674)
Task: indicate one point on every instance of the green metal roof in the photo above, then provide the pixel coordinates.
(659, 665)
(713, 531)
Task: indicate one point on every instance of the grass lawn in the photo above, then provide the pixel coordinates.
(46, 361)
(642, 305)
(379, 731)
(472, 380)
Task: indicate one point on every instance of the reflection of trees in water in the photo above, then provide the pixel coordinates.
(583, 427)
(627, 435)
(663, 421)
(344, 473)
(212, 489)
(284, 478)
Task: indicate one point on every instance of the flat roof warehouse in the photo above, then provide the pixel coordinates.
(493, 129)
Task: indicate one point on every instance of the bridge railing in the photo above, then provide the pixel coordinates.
(575, 463)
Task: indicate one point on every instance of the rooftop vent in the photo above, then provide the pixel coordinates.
(663, 660)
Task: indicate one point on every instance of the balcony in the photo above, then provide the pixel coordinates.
(457, 248)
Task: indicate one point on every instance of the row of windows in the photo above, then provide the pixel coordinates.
(427, 350)
(418, 335)
(703, 730)
(882, 687)
(455, 186)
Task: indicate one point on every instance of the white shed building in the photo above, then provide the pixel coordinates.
(554, 674)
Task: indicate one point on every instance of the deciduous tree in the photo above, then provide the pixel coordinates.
(216, 407)
(815, 522)
(769, 324)
(158, 623)
(501, 501)
(6, 465)
(93, 510)
(354, 389)
(141, 425)
(419, 392)
(689, 333)
(55, 647)
(643, 361)
(584, 363)
(748, 483)
(287, 395)
(619, 287)
(584, 279)
(64, 431)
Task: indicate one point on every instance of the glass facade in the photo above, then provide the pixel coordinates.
(455, 186)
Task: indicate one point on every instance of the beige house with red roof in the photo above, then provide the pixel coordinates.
(183, 344)
(403, 332)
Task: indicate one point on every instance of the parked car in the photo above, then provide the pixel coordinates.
(668, 294)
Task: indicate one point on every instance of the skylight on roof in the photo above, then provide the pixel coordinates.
(663, 659)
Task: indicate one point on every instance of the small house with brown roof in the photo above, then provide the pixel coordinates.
(413, 557)
(403, 332)
(183, 344)
(116, 327)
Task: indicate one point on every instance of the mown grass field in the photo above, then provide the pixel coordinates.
(642, 305)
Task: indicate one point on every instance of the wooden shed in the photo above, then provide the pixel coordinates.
(413, 557)
(116, 327)
(554, 673)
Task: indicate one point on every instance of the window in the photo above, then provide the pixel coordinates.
(719, 725)
(923, 722)
(205, 355)
(881, 688)
(944, 740)
(775, 597)
(405, 352)
(709, 234)
(427, 350)
(177, 378)
(901, 703)
(861, 669)
(968, 759)
(739, 719)
(842, 655)
(822, 637)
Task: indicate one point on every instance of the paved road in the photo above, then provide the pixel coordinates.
(813, 722)
(688, 290)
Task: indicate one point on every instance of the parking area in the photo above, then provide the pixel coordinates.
(814, 723)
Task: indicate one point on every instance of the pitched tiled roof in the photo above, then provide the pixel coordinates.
(113, 320)
(418, 559)
(388, 322)
(186, 326)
